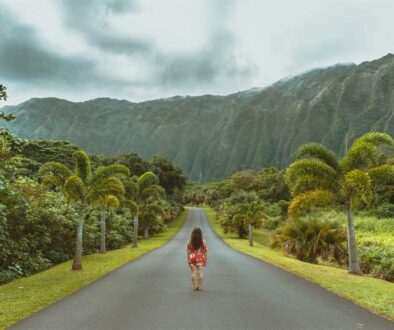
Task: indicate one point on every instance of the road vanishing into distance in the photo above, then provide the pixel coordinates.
(239, 292)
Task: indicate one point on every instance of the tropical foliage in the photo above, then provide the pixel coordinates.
(319, 178)
(309, 239)
(81, 187)
(46, 189)
(362, 181)
(144, 197)
(248, 214)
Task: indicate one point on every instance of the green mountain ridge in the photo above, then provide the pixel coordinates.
(212, 136)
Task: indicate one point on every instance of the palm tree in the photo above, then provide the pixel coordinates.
(83, 188)
(318, 178)
(249, 214)
(149, 215)
(142, 194)
(105, 202)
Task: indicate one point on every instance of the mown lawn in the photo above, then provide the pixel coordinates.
(373, 294)
(25, 296)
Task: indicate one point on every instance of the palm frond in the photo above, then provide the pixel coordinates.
(131, 187)
(83, 168)
(75, 189)
(55, 173)
(318, 151)
(130, 204)
(382, 175)
(111, 185)
(358, 183)
(307, 200)
(104, 172)
(309, 167)
(364, 153)
(152, 192)
(312, 182)
(374, 138)
(108, 201)
(147, 179)
(360, 156)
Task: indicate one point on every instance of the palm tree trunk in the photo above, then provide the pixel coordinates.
(250, 235)
(135, 236)
(103, 230)
(77, 263)
(354, 266)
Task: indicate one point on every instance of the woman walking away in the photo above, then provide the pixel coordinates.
(197, 256)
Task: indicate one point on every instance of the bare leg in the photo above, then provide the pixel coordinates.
(194, 276)
(200, 276)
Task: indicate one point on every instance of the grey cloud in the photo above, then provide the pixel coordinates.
(89, 19)
(24, 58)
(120, 6)
(216, 61)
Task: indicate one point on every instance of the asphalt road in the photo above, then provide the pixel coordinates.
(240, 292)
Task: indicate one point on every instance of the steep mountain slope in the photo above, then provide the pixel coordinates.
(213, 136)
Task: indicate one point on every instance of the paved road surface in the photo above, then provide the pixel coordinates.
(240, 292)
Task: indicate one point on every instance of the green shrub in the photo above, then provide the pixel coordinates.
(378, 261)
(8, 275)
(38, 227)
(309, 239)
(385, 210)
(272, 223)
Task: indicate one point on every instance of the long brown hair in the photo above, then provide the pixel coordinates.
(196, 238)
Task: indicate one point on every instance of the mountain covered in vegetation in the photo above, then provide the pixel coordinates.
(209, 136)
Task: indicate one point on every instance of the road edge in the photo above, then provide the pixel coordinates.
(29, 310)
(261, 259)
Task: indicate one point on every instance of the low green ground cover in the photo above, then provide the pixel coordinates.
(371, 293)
(375, 237)
(25, 296)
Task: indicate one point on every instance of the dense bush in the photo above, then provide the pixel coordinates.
(377, 260)
(385, 210)
(271, 223)
(37, 229)
(38, 225)
(309, 239)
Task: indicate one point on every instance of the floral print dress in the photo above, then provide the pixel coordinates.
(197, 257)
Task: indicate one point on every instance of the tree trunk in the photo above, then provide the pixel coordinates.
(135, 236)
(103, 230)
(146, 232)
(250, 235)
(77, 263)
(354, 266)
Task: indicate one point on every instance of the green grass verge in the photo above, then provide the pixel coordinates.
(371, 293)
(25, 296)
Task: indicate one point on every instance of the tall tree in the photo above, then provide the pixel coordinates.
(142, 194)
(106, 202)
(83, 188)
(318, 178)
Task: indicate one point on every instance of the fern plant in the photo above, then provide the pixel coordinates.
(309, 239)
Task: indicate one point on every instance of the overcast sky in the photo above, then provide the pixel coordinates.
(139, 50)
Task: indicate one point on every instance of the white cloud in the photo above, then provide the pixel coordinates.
(150, 49)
